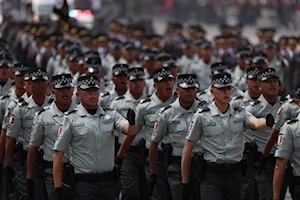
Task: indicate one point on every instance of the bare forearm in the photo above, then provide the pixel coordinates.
(125, 145)
(57, 169)
(9, 148)
(2, 143)
(31, 159)
(185, 166)
(257, 123)
(129, 129)
(270, 142)
(153, 156)
(277, 181)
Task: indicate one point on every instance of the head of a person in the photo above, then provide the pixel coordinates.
(206, 51)
(62, 88)
(129, 52)
(297, 94)
(5, 67)
(283, 42)
(218, 68)
(187, 88)
(19, 72)
(93, 66)
(115, 49)
(163, 82)
(221, 87)
(260, 61)
(187, 48)
(161, 58)
(173, 67)
(136, 80)
(269, 82)
(39, 81)
(241, 58)
(147, 59)
(252, 80)
(269, 48)
(72, 61)
(293, 42)
(88, 91)
(61, 48)
(120, 76)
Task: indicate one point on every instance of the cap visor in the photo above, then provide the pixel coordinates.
(185, 85)
(132, 78)
(268, 77)
(223, 85)
(58, 86)
(35, 78)
(84, 87)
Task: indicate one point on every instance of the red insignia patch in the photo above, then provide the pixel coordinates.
(155, 125)
(59, 130)
(7, 114)
(11, 121)
(279, 111)
(280, 139)
(191, 126)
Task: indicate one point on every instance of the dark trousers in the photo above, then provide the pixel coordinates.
(103, 190)
(133, 177)
(161, 190)
(296, 189)
(221, 185)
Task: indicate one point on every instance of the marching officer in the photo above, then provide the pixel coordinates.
(220, 127)
(88, 130)
(6, 85)
(173, 124)
(119, 79)
(19, 129)
(287, 150)
(44, 131)
(133, 178)
(147, 114)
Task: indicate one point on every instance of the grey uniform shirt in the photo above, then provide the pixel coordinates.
(121, 104)
(288, 111)
(5, 101)
(21, 120)
(7, 87)
(288, 144)
(91, 139)
(239, 78)
(260, 109)
(45, 128)
(106, 98)
(10, 107)
(147, 114)
(221, 135)
(173, 125)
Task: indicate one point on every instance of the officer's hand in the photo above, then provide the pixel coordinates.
(118, 161)
(270, 120)
(30, 187)
(185, 191)
(152, 183)
(131, 116)
(262, 164)
(61, 194)
(9, 174)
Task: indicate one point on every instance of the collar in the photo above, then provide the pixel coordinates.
(82, 112)
(31, 102)
(129, 97)
(158, 101)
(266, 103)
(215, 110)
(182, 110)
(56, 112)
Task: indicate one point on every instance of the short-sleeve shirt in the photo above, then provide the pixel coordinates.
(91, 139)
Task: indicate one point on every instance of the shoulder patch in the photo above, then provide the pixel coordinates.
(145, 100)
(166, 108)
(43, 109)
(105, 94)
(202, 93)
(292, 121)
(69, 112)
(5, 97)
(291, 100)
(108, 109)
(237, 97)
(51, 99)
(119, 98)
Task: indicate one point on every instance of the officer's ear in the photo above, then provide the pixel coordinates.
(155, 85)
(212, 90)
(78, 94)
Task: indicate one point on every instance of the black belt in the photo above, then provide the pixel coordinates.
(94, 178)
(177, 160)
(226, 167)
(49, 164)
(297, 180)
(270, 157)
(134, 149)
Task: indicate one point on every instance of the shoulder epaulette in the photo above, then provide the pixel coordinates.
(149, 95)
(145, 100)
(119, 98)
(43, 109)
(205, 109)
(201, 93)
(237, 97)
(255, 102)
(166, 108)
(105, 94)
(4, 97)
(21, 99)
(292, 121)
(238, 108)
(23, 103)
(51, 99)
(291, 100)
(108, 109)
(72, 111)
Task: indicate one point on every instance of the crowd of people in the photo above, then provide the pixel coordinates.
(120, 112)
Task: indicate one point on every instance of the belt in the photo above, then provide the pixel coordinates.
(94, 178)
(134, 149)
(270, 157)
(49, 164)
(226, 167)
(177, 160)
(297, 180)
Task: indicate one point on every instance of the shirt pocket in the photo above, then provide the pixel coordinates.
(237, 125)
(27, 122)
(79, 129)
(151, 118)
(176, 126)
(49, 124)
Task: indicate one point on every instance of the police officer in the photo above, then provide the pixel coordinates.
(239, 72)
(113, 57)
(287, 150)
(19, 129)
(119, 79)
(172, 125)
(147, 114)
(129, 54)
(88, 130)
(268, 102)
(6, 83)
(44, 131)
(219, 127)
(132, 175)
